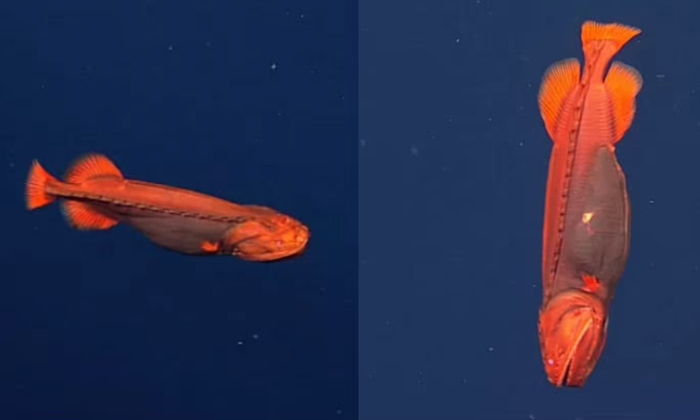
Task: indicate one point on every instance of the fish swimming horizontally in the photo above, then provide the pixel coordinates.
(587, 212)
(96, 196)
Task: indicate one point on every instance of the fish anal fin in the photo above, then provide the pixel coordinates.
(591, 283)
(92, 166)
(83, 216)
(35, 193)
(623, 83)
(560, 79)
(615, 32)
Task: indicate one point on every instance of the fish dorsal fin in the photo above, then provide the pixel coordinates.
(92, 166)
(558, 82)
(83, 216)
(623, 84)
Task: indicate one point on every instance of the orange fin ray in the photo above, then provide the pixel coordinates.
(623, 82)
(591, 283)
(211, 247)
(92, 166)
(83, 216)
(35, 193)
(560, 79)
(618, 33)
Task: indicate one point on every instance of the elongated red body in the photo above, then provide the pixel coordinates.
(96, 197)
(587, 212)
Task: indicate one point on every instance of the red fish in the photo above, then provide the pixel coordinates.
(587, 213)
(96, 196)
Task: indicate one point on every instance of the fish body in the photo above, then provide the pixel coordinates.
(587, 212)
(96, 196)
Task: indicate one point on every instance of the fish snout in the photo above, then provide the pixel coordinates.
(293, 240)
(302, 236)
(270, 242)
(573, 331)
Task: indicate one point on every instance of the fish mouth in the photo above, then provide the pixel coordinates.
(274, 256)
(568, 376)
(301, 237)
(573, 330)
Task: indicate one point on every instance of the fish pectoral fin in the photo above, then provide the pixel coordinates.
(92, 166)
(559, 80)
(211, 247)
(83, 216)
(623, 83)
(591, 283)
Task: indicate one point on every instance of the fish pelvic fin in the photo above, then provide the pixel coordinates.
(35, 193)
(560, 79)
(623, 83)
(82, 216)
(92, 166)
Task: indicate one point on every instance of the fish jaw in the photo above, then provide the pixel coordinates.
(573, 329)
(258, 241)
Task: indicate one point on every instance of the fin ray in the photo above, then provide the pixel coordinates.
(557, 83)
(616, 32)
(211, 247)
(591, 283)
(623, 82)
(35, 193)
(83, 216)
(92, 166)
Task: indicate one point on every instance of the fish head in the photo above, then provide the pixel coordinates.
(573, 328)
(268, 238)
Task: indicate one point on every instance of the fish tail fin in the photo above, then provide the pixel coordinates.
(92, 166)
(35, 193)
(616, 33)
(623, 82)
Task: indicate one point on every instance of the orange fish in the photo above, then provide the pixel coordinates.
(587, 211)
(96, 196)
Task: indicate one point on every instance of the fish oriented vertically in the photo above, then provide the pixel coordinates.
(587, 213)
(96, 196)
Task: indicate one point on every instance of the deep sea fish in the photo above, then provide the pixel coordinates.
(587, 211)
(96, 196)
